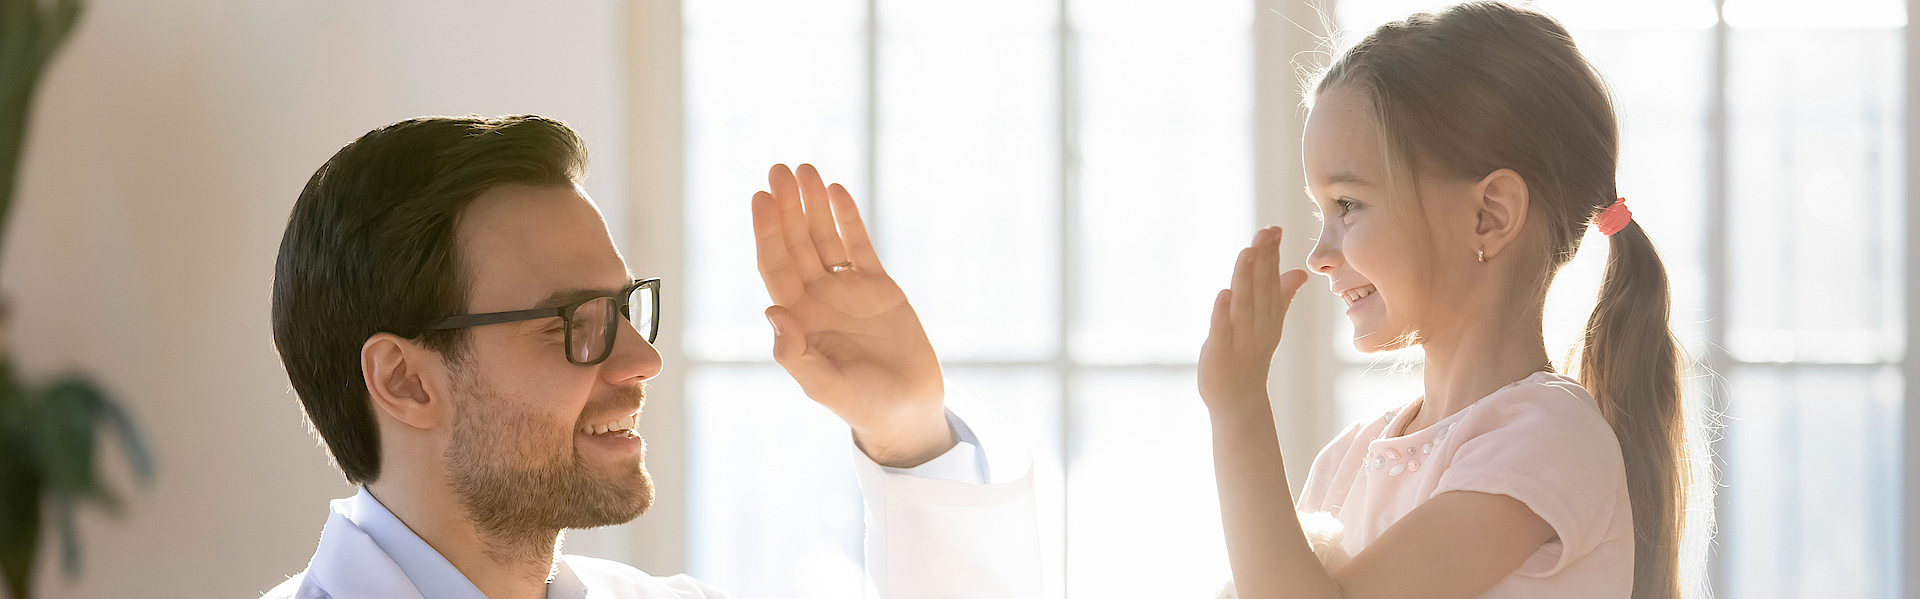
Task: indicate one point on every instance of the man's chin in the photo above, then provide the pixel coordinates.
(623, 501)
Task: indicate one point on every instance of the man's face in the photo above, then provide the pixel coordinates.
(523, 456)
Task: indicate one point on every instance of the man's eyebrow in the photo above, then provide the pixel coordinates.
(568, 296)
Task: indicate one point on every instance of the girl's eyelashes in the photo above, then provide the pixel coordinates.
(1346, 205)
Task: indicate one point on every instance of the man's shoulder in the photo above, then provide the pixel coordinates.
(598, 573)
(295, 587)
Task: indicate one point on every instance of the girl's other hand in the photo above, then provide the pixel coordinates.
(1247, 321)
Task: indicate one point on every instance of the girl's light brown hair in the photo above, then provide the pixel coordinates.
(1483, 86)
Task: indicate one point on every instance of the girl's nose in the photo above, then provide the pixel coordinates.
(1325, 257)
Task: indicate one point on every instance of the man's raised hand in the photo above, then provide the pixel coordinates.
(842, 328)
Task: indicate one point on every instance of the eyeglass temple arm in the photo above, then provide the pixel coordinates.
(474, 320)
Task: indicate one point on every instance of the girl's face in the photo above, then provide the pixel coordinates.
(1366, 250)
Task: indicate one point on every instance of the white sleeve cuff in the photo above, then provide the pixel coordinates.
(962, 464)
(990, 451)
(964, 524)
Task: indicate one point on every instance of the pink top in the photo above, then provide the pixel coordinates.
(1541, 440)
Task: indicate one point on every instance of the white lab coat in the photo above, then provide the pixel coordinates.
(927, 538)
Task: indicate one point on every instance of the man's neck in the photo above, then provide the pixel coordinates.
(514, 566)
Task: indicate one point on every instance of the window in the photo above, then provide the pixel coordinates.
(1060, 187)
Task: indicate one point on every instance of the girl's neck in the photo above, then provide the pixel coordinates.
(1471, 362)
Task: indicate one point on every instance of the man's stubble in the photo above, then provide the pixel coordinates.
(518, 501)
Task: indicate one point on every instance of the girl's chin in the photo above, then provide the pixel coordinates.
(1375, 342)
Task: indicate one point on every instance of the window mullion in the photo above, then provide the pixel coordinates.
(1717, 307)
(1064, 367)
(1910, 504)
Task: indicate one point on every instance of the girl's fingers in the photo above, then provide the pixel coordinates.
(826, 240)
(784, 284)
(1275, 305)
(1222, 327)
(853, 230)
(1243, 288)
(1265, 267)
(793, 219)
(1290, 284)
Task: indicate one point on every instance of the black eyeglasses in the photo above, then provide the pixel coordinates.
(590, 323)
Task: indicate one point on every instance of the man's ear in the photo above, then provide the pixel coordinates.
(405, 381)
(1500, 206)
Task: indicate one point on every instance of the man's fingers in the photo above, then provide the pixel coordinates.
(784, 284)
(793, 220)
(853, 230)
(813, 195)
(789, 342)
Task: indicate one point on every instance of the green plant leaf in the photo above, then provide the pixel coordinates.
(19, 511)
(139, 457)
(59, 508)
(62, 423)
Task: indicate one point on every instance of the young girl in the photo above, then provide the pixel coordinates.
(1457, 159)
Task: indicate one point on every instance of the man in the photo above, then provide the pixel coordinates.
(469, 344)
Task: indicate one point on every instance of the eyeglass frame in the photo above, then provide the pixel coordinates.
(621, 301)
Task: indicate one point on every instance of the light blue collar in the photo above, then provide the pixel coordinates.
(431, 573)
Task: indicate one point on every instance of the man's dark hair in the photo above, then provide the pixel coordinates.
(370, 248)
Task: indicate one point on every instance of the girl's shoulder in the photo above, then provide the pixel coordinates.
(1546, 421)
(1544, 402)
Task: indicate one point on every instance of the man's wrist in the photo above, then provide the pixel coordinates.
(910, 443)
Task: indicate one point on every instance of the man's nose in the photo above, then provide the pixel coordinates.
(632, 359)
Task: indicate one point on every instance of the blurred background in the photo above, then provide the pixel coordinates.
(1060, 186)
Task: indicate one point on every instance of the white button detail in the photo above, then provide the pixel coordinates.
(1426, 449)
(1379, 462)
(1397, 469)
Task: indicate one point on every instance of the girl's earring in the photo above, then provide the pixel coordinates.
(1482, 254)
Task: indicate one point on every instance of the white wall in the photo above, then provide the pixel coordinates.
(169, 143)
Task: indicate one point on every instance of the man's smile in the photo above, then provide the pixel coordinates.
(621, 424)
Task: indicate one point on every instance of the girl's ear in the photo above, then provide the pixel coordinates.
(405, 381)
(1499, 204)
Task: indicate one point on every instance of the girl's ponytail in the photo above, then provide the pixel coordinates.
(1630, 362)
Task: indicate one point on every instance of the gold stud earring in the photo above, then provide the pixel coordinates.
(1482, 254)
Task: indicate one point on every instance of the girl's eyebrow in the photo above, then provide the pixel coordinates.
(1343, 177)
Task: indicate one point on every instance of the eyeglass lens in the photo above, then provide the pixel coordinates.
(591, 333)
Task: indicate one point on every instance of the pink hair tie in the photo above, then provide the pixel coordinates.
(1614, 218)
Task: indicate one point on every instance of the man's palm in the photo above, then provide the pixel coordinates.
(843, 328)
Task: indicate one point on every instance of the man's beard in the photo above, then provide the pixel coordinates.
(518, 502)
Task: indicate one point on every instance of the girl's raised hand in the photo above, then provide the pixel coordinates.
(1247, 321)
(842, 328)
